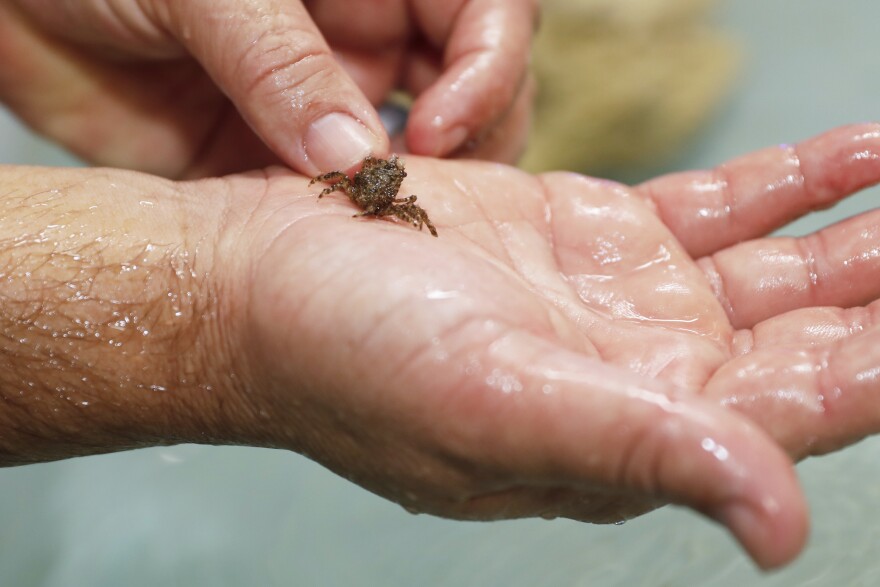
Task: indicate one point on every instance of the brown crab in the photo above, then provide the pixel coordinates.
(374, 190)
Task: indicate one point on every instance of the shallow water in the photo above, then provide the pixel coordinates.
(200, 516)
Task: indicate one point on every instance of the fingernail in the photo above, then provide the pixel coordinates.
(338, 142)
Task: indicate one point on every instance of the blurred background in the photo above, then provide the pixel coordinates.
(630, 88)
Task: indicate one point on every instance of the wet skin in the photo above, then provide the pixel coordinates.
(569, 347)
(173, 89)
(562, 350)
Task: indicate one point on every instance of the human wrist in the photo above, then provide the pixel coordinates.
(262, 212)
(111, 314)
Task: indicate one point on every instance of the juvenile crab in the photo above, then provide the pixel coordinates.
(374, 189)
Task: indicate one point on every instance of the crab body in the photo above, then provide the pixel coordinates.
(374, 190)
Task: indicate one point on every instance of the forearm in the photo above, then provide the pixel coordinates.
(109, 314)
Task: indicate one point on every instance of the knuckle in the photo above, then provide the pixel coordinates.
(272, 64)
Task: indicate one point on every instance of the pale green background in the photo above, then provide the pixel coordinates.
(233, 517)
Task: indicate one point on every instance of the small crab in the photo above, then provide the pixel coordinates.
(374, 189)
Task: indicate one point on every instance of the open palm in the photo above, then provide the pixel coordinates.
(570, 346)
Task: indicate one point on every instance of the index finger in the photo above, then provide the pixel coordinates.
(272, 61)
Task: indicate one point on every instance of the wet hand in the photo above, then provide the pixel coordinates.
(569, 346)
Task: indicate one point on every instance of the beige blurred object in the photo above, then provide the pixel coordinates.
(624, 82)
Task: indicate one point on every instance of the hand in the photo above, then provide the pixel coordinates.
(198, 88)
(465, 61)
(565, 347)
(569, 346)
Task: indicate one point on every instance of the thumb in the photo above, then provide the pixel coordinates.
(270, 59)
(592, 426)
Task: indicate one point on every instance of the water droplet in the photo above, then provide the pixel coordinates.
(506, 382)
(719, 451)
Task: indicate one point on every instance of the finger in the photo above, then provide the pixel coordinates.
(812, 399)
(837, 266)
(808, 328)
(755, 194)
(485, 61)
(276, 67)
(506, 140)
(561, 418)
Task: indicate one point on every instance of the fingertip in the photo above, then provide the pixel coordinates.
(752, 489)
(841, 161)
(433, 135)
(772, 533)
(448, 141)
(757, 495)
